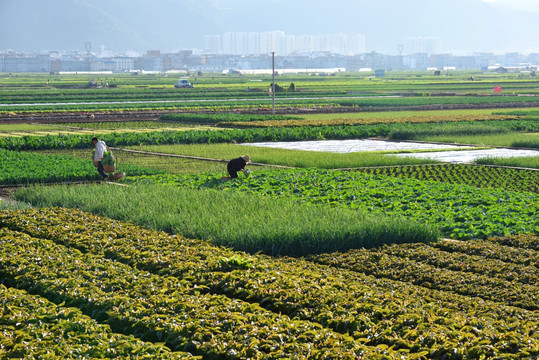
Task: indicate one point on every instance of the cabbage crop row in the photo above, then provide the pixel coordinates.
(165, 309)
(35, 328)
(341, 313)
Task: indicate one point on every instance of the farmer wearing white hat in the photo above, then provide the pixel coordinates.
(100, 149)
(236, 165)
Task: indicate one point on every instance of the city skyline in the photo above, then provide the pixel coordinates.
(187, 61)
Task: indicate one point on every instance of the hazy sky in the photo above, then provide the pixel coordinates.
(529, 5)
(463, 26)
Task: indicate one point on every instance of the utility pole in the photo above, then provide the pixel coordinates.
(273, 82)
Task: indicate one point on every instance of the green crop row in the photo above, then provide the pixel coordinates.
(115, 94)
(192, 105)
(483, 128)
(238, 135)
(336, 100)
(35, 328)
(164, 309)
(365, 120)
(19, 167)
(394, 81)
(173, 165)
(398, 318)
(223, 118)
(131, 125)
(478, 176)
(459, 211)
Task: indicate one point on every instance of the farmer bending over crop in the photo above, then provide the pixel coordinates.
(100, 149)
(236, 165)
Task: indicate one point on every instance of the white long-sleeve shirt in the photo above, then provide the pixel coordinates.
(100, 149)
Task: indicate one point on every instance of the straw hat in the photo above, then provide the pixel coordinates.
(246, 158)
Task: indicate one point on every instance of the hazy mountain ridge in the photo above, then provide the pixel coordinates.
(466, 25)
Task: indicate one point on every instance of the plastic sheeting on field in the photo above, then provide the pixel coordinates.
(347, 146)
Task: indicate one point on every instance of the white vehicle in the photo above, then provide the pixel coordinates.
(183, 83)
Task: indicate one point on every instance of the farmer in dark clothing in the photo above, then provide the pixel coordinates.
(236, 165)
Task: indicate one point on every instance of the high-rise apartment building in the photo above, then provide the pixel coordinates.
(253, 43)
(421, 45)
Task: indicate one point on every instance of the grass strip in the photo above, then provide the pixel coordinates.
(525, 162)
(173, 165)
(216, 118)
(365, 120)
(292, 158)
(516, 140)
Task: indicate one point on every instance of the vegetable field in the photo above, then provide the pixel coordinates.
(216, 303)
(513, 179)
(310, 255)
(27, 168)
(460, 211)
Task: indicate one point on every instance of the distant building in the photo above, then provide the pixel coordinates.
(123, 63)
(291, 53)
(213, 44)
(421, 45)
(253, 43)
(14, 62)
